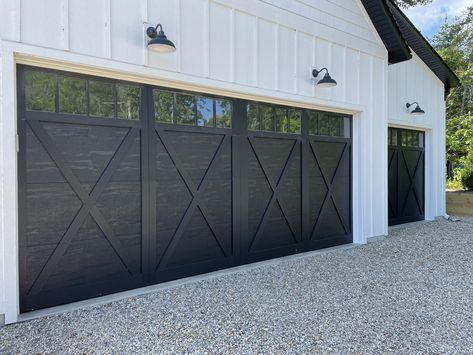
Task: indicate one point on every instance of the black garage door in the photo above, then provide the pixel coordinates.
(123, 185)
(406, 175)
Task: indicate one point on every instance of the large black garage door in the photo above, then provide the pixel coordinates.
(123, 185)
(405, 175)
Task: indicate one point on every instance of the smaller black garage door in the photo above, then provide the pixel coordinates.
(405, 175)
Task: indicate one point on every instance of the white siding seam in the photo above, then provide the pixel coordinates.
(276, 69)
(178, 33)
(107, 11)
(232, 45)
(64, 24)
(296, 62)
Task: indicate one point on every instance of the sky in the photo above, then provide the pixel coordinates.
(429, 18)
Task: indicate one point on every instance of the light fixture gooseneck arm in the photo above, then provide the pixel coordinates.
(316, 72)
(409, 105)
(152, 32)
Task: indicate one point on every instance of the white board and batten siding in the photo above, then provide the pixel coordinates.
(261, 49)
(413, 81)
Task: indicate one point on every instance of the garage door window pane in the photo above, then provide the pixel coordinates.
(346, 127)
(223, 111)
(267, 118)
(281, 120)
(205, 112)
(163, 106)
(324, 125)
(72, 95)
(420, 141)
(185, 109)
(313, 120)
(102, 99)
(252, 117)
(335, 123)
(39, 91)
(294, 121)
(128, 101)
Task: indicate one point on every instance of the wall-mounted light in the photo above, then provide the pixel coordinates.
(417, 110)
(159, 41)
(326, 81)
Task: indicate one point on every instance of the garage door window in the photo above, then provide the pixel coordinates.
(49, 92)
(405, 138)
(328, 124)
(271, 118)
(192, 110)
(39, 91)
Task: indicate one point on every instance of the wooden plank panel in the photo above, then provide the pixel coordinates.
(221, 44)
(41, 23)
(88, 21)
(338, 71)
(287, 55)
(127, 32)
(305, 60)
(352, 75)
(245, 48)
(165, 12)
(323, 60)
(194, 37)
(267, 54)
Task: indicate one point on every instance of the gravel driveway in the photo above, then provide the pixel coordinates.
(411, 292)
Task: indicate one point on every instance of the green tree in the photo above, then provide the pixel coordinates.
(454, 42)
(409, 3)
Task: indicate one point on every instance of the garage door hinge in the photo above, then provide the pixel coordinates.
(17, 143)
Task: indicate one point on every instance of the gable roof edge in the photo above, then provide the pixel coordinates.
(387, 28)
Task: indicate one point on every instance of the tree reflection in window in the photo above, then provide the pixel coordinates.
(39, 91)
(205, 112)
(72, 94)
(223, 113)
(128, 102)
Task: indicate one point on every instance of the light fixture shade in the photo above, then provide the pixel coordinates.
(417, 110)
(327, 81)
(159, 41)
(161, 44)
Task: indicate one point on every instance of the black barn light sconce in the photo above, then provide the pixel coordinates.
(326, 81)
(417, 110)
(159, 41)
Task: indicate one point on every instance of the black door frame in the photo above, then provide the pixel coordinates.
(238, 137)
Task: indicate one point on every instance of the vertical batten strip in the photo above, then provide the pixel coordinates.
(314, 49)
(107, 40)
(296, 61)
(145, 21)
(369, 148)
(358, 76)
(232, 46)
(344, 83)
(329, 62)
(276, 67)
(178, 34)
(64, 23)
(207, 38)
(255, 50)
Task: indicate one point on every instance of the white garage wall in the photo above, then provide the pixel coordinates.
(263, 49)
(413, 81)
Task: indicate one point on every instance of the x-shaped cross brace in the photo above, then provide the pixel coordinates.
(275, 196)
(329, 185)
(88, 204)
(196, 192)
(411, 183)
